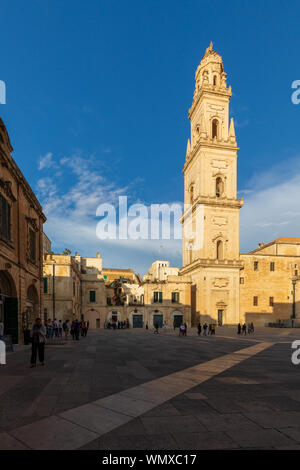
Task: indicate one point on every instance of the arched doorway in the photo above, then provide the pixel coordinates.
(113, 316)
(94, 318)
(177, 318)
(157, 317)
(136, 319)
(9, 306)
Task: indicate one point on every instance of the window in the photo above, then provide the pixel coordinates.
(92, 296)
(219, 249)
(215, 80)
(175, 297)
(108, 301)
(157, 297)
(241, 280)
(271, 301)
(32, 245)
(4, 219)
(215, 128)
(255, 301)
(45, 285)
(191, 194)
(272, 266)
(255, 265)
(219, 187)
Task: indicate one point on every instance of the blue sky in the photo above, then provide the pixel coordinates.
(97, 101)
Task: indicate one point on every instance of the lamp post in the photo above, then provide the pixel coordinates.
(294, 280)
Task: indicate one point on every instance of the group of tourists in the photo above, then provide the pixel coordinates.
(243, 329)
(56, 328)
(207, 329)
(116, 325)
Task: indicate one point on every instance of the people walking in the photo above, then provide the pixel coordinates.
(156, 326)
(55, 327)
(182, 330)
(252, 327)
(239, 330)
(66, 328)
(76, 329)
(199, 328)
(38, 334)
(147, 326)
(73, 330)
(60, 329)
(185, 329)
(244, 329)
(213, 329)
(204, 329)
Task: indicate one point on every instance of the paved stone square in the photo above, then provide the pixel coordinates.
(131, 389)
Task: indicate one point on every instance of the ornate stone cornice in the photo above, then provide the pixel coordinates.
(6, 187)
(209, 143)
(33, 223)
(210, 90)
(211, 263)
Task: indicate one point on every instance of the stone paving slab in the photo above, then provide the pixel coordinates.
(246, 393)
(53, 433)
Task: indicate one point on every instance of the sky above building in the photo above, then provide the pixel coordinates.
(97, 95)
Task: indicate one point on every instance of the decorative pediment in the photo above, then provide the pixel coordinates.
(221, 236)
(33, 223)
(220, 282)
(219, 164)
(6, 187)
(220, 221)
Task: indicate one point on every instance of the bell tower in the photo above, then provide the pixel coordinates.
(211, 217)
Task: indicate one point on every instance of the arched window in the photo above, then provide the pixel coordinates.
(219, 187)
(219, 249)
(215, 128)
(215, 80)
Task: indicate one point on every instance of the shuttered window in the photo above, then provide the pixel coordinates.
(92, 296)
(175, 297)
(157, 297)
(4, 219)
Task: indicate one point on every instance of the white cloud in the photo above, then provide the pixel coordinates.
(271, 210)
(46, 161)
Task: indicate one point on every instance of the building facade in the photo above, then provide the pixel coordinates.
(21, 246)
(79, 287)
